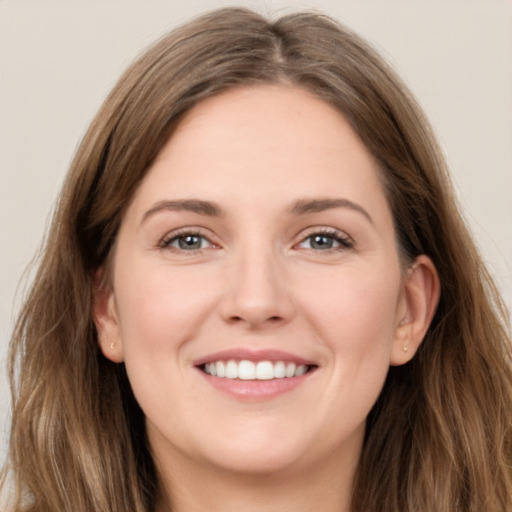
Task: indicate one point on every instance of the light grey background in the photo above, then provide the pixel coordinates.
(58, 59)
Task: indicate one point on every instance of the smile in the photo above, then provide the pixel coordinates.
(255, 370)
(255, 375)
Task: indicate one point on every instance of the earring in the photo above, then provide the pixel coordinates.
(406, 348)
(112, 345)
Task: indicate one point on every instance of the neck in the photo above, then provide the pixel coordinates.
(195, 488)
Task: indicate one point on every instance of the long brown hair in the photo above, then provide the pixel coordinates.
(438, 438)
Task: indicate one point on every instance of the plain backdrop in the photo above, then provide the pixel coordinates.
(58, 60)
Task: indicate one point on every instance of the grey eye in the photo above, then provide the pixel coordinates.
(188, 242)
(325, 241)
(320, 242)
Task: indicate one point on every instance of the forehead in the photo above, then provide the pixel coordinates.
(271, 109)
(263, 143)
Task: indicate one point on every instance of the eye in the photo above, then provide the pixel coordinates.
(326, 240)
(186, 242)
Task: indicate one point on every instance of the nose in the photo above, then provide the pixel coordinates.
(257, 293)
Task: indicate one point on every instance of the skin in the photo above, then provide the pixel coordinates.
(259, 282)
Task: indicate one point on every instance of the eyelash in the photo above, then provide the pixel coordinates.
(343, 240)
(166, 242)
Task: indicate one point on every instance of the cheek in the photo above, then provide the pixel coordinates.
(355, 310)
(352, 312)
(159, 308)
(160, 311)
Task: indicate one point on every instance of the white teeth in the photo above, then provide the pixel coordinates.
(279, 370)
(301, 370)
(231, 370)
(248, 370)
(264, 370)
(221, 369)
(290, 370)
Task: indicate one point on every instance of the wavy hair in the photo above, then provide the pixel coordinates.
(438, 438)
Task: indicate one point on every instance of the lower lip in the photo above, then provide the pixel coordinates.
(255, 389)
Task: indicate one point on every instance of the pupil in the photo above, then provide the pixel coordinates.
(190, 242)
(322, 242)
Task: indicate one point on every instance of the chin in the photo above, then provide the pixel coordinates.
(255, 448)
(258, 459)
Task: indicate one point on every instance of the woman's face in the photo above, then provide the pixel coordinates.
(259, 244)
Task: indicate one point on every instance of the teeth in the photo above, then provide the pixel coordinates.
(280, 370)
(248, 370)
(289, 371)
(301, 370)
(264, 370)
(221, 369)
(231, 370)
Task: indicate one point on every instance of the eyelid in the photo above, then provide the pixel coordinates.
(345, 241)
(165, 241)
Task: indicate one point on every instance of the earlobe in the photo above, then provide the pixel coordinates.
(421, 290)
(106, 322)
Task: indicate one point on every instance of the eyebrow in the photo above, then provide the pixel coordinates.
(190, 205)
(299, 207)
(305, 206)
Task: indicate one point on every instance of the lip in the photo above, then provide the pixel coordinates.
(254, 390)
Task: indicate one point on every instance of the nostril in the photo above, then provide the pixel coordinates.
(253, 321)
(275, 318)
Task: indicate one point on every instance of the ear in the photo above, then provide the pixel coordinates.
(420, 295)
(106, 320)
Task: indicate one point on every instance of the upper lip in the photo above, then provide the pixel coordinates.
(245, 354)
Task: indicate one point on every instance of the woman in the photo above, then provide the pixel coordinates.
(257, 293)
